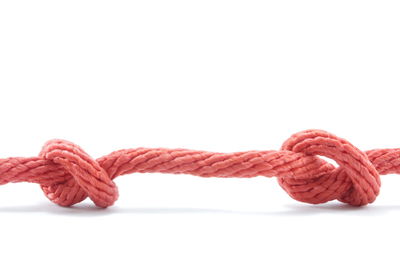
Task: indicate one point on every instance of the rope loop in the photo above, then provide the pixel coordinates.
(355, 181)
(86, 177)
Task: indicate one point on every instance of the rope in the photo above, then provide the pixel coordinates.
(67, 175)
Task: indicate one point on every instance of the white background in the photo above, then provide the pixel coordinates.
(210, 75)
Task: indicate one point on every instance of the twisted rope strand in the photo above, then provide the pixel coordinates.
(67, 175)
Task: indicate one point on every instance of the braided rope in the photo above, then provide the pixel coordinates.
(67, 175)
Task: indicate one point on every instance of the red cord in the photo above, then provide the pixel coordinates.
(68, 175)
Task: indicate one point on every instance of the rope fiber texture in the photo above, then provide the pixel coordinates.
(67, 175)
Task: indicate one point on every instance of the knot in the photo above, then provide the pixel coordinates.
(355, 181)
(85, 177)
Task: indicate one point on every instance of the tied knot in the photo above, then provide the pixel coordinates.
(84, 176)
(355, 181)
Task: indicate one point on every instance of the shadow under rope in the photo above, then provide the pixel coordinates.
(300, 209)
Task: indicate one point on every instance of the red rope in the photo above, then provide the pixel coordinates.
(68, 175)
